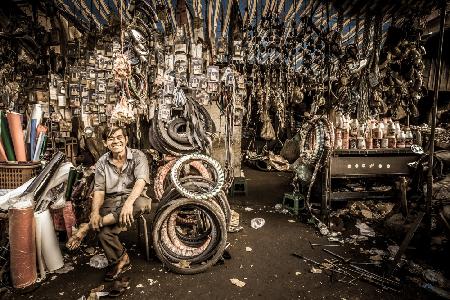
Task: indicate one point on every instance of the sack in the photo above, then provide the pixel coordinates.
(267, 131)
(291, 150)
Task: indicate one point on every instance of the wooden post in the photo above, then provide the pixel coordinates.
(433, 116)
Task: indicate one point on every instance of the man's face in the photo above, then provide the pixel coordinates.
(117, 142)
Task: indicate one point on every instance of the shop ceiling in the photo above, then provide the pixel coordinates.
(98, 13)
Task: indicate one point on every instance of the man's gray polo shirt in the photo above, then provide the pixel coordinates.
(115, 182)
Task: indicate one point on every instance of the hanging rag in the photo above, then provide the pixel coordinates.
(13, 197)
(69, 218)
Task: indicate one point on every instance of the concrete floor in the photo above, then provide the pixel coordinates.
(269, 270)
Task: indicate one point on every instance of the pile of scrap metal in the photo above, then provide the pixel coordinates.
(193, 215)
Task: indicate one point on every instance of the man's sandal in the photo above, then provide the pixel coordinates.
(119, 287)
(116, 271)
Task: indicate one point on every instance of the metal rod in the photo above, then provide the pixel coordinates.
(433, 115)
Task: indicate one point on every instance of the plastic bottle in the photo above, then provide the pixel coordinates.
(408, 137)
(401, 140)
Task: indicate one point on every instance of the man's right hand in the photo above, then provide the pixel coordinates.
(95, 221)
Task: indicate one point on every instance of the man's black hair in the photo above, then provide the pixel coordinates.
(111, 130)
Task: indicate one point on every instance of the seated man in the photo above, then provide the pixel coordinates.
(121, 177)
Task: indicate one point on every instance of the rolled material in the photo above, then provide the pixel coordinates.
(36, 114)
(69, 218)
(15, 128)
(39, 184)
(45, 234)
(44, 146)
(40, 259)
(33, 138)
(6, 138)
(2, 152)
(70, 182)
(39, 144)
(22, 247)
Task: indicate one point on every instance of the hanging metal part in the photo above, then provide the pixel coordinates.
(433, 116)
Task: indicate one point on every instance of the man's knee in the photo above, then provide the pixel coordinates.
(142, 205)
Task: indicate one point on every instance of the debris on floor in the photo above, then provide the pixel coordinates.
(316, 270)
(65, 269)
(152, 281)
(248, 249)
(98, 261)
(237, 282)
(234, 222)
(257, 223)
(365, 230)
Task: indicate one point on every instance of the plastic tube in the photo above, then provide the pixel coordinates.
(6, 138)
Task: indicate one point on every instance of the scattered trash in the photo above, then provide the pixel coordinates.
(366, 209)
(393, 249)
(316, 270)
(90, 250)
(98, 261)
(365, 230)
(376, 257)
(185, 264)
(373, 251)
(257, 223)
(291, 221)
(248, 249)
(151, 281)
(367, 213)
(97, 292)
(237, 282)
(140, 285)
(61, 294)
(278, 206)
(355, 239)
(65, 269)
(53, 277)
(298, 273)
(234, 222)
(436, 277)
(248, 209)
(438, 291)
(323, 229)
(335, 239)
(102, 294)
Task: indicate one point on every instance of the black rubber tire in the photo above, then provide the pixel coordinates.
(216, 215)
(172, 130)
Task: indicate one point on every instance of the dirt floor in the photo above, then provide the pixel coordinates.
(269, 270)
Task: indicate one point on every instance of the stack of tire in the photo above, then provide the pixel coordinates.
(191, 222)
(182, 134)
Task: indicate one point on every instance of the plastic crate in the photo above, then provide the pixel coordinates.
(14, 175)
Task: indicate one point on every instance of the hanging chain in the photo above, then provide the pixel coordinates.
(366, 36)
(357, 26)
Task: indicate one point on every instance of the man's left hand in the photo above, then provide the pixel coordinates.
(126, 214)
